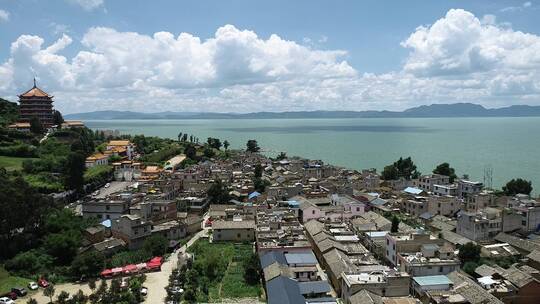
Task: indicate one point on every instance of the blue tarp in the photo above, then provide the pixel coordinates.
(253, 195)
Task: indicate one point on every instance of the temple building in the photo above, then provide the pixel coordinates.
(36, 103)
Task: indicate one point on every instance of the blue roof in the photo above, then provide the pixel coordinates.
(271, 257)
(253, 194)
(432, 280)
(283, 290)
(293, 203)
(314, 287)
(306, 258)
(413, 190)
(106, 223)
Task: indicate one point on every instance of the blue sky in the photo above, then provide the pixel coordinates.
(352, 55)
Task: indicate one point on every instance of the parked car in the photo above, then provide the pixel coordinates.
(144, 291)
(20, 291)
(176, 290)
(10, 295)
(43, 283)
(33, 286)
(6, 300)
(107, 185)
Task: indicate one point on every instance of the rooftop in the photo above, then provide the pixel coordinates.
(432, 280)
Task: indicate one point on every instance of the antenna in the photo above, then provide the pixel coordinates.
(488, 177)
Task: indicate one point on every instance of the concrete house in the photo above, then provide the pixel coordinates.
(237, 231)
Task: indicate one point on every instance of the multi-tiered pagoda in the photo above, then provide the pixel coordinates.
(36, 103)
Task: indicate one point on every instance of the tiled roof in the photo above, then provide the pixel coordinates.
(35, 92)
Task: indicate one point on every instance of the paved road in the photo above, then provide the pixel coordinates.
(155, 281)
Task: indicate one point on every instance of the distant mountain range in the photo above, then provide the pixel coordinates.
(434, 110)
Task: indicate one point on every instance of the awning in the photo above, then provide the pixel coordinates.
(154, 263)
(106, 272)
(130, 268)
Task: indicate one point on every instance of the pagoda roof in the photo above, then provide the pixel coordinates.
(35, 92)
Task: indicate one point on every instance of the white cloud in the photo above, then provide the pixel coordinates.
(88, 5)
(4, 16)
(521, 7)
(462, 44)
(457, 59)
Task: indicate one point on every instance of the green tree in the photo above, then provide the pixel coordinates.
(445, 169)
(469, 253)
(209, 152)
(395, 224)
(218, 193)
(156, 245)
(390, 172)
(75, 167)
(49, 292)
(252, 269)
(406, 168)
(62, 297)
(31, 301)
(518, 186)
(252, 146)
(35, 126)
(226, 144)
(88, 264)
(214, 143)
(470, 267)
(258, 171)
(63, 246)
(281, 156)
(190, 151)
(58, 119)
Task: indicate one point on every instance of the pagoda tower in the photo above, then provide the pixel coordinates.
(36, 103)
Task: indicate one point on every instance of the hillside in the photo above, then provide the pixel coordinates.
(434, 110)
(8, 112)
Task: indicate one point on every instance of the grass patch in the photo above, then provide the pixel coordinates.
(97, 173)
(234, 286)
(45, 182)
(13, 163)
(8, 281)
(225, 276)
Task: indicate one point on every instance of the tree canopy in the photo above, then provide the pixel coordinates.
(518, 186)
(445, 169)
(252, 146)
(402, 168)
(218, 193)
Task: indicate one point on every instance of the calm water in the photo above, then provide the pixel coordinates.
(511, 146)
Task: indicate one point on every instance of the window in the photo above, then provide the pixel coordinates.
(440, 269)
(357, 209)
(313, 212)
(107, 207)
(238, 235)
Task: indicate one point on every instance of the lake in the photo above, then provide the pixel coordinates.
(510, 146)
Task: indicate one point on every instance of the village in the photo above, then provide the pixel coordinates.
(182, 221)
(321, 233)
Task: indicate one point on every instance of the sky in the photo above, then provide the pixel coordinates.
(252, 56)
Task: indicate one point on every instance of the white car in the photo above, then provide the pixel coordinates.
(33, 286)
(177, 290)
(6, 300)
(144, 291)
(107, 185)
